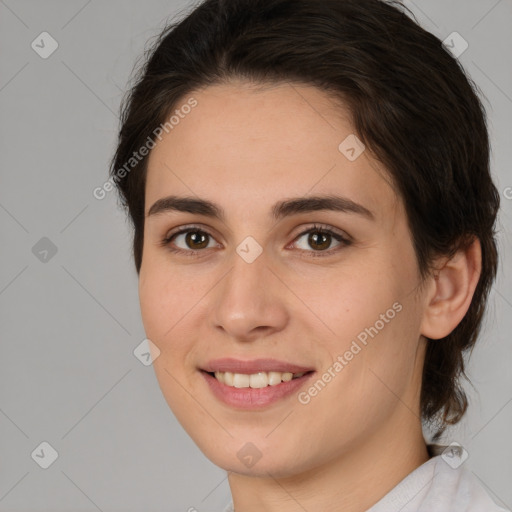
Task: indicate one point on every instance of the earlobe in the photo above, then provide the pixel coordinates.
(452, 287)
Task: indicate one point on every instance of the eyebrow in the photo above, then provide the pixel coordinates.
(280, 210)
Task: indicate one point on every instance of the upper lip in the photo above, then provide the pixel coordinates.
(228, 364)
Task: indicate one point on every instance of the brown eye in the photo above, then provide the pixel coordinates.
(320, 239)
(188, 240)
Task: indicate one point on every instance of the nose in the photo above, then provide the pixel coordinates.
(250, 301)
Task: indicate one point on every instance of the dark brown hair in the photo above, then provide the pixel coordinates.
(411, 103)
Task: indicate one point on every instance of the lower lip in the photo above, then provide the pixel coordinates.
(253, 398)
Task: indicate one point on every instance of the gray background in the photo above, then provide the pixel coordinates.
(70, 324)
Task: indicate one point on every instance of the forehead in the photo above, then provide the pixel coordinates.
(246, 146)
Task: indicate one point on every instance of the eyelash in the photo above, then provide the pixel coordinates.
(166, 242)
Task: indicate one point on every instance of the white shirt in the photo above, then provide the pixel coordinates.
(442, 484)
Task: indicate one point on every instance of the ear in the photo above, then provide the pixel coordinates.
(451, 290)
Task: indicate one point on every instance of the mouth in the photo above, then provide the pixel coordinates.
(254, 391)
(254, 383)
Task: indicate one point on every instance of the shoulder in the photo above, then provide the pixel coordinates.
(444, 483)
(455, 487)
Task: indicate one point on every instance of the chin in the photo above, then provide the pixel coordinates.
(250, 461)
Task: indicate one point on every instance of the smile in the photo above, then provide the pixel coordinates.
(269, 387)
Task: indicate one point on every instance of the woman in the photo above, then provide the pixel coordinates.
(313, 222)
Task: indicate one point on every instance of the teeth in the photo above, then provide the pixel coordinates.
(255, 380)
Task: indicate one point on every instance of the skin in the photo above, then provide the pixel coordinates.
(245, 148)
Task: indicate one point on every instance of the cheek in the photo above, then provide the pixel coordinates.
(162, 296)
(170, 309)
(375, 378)
(373, 320)
(154, 302)
(161, 306)
(386, 365)
(351, 301)
(161, 309)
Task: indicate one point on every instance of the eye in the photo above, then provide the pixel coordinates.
(192, 239)
(320, 239)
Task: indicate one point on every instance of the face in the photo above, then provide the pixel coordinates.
(331, 289)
